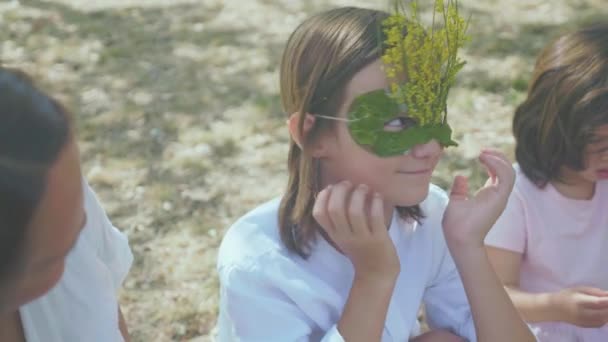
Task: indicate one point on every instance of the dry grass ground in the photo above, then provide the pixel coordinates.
(181, 129)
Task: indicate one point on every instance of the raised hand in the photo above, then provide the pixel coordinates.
(467, 220)
(353, 218)
(582, 306)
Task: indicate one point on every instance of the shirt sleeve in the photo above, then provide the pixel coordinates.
(509, 231)
(445, 301)
(112, 245)
(253, 310)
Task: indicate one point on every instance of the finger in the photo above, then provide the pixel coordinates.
(501, 170)
(319, 210)
(492, 180)
(488, 165)
(593, 291)
(600, 316)
(460, 188)
(377, 225)
(594, 302)
(336, 207)
(356, 211)
(496, 153)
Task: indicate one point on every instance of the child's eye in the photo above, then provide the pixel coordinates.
(399, 123)
(598, 147)
(601, 150)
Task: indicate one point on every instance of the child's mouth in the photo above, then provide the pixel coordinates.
(602, 173)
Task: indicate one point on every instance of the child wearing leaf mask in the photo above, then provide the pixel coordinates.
(361, 238)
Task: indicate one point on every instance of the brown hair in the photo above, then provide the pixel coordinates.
(321, 57)
(567, 99)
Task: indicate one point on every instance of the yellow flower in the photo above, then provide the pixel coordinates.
(428, 57)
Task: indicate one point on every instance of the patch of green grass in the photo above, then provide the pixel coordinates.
(226, 148)
(514, 97)
(483, 80)
(520, 83)
(529, 39)
(270, 104)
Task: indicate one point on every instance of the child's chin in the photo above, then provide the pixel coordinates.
(412, 197)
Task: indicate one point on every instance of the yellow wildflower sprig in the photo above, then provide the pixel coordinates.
(427, 61)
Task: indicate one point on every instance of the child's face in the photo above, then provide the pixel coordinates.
(596, 156)
(53, 231)
(403, 180)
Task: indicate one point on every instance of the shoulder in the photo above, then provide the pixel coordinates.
(524, 187)
(92, 204)
(434, 206)
(431, 224)
(96, 218)
(430, 233)
(106, 242)
(252, 238)
(436, 199)
(86, 292)
(98, 228)
(602, 188)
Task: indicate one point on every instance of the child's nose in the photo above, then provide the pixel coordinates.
(428, 150)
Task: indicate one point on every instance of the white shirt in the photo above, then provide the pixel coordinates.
(269, 294)
(83, 305)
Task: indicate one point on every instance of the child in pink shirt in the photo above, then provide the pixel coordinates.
(550, 246)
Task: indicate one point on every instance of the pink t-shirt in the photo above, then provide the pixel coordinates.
(564, 243)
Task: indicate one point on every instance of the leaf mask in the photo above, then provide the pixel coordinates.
(429, 61)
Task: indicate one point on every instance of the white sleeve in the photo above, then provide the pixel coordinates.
(445, 300)
(446, 303)
(253, 310)
(112, 245)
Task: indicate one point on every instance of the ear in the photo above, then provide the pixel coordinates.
(317, 148)
(294, 131)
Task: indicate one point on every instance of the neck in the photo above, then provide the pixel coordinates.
(575, 189)
(389, 209)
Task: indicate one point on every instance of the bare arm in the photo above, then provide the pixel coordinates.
(496, 319)
(583, 306)
(466, 222)
(365, 311)
(365, 241)
(534, 307)
(437, 336)
(122, 325)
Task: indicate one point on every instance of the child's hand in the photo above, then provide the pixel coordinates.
(354, 220)
(438, 336)
(583, 306)
(466, 221)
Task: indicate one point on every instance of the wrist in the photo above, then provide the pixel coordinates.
(554, 305)
(376, 280)
(466, 241)
(377, 272)
(467, 250)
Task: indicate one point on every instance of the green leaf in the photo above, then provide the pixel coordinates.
(368, 116)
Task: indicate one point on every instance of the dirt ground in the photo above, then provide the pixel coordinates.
(181, 128)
